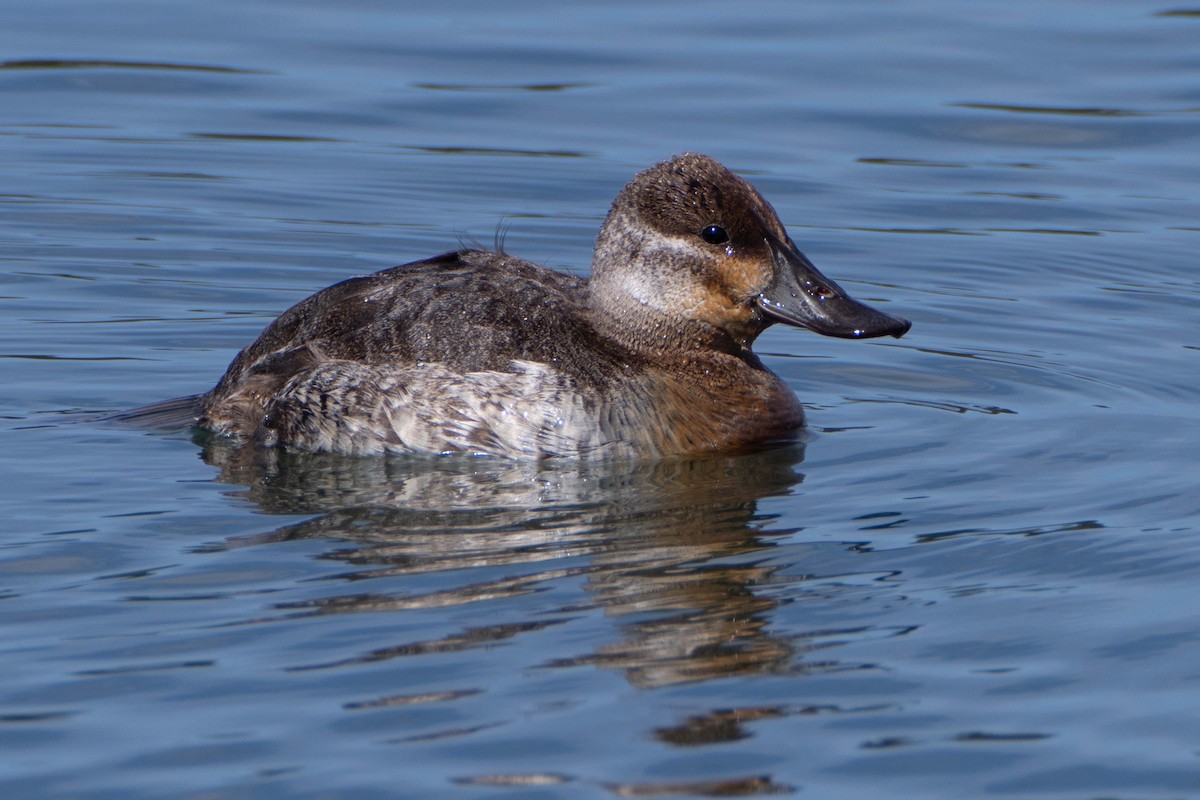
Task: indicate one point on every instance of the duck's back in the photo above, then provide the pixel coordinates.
(340, 368)
(472, 310)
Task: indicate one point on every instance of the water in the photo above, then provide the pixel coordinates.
(974, 578)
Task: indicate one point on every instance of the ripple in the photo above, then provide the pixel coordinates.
(1054, 110)
(497, 87)
(85, 64)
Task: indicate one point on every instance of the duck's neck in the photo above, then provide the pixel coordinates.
(623, 316)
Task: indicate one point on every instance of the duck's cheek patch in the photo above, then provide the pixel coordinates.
(745, 276)
(718, 309)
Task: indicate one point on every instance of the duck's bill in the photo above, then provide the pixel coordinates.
(802, 296)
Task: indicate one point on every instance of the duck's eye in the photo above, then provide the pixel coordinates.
(714, 234)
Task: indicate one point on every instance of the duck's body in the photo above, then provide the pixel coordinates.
(477, 351)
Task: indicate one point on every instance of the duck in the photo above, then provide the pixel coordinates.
(479, 352)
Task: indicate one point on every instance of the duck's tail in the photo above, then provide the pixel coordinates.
(166, 415)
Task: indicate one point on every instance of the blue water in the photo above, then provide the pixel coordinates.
(975, 577)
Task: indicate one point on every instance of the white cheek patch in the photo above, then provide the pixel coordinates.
(649, 290)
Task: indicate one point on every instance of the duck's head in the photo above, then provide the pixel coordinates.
(690, 240)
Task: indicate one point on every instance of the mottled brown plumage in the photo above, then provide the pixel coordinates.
(477, 351)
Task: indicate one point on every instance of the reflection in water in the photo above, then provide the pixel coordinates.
(726, 725)
(740, 787)
(665, 543)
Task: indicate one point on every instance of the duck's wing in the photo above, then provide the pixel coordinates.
(470, 311)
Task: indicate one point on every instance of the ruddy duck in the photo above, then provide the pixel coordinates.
(480, 352)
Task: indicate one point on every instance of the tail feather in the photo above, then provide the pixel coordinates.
(166, 415)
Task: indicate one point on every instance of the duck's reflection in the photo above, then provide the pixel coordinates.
(670, 545)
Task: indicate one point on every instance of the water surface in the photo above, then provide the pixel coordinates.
(975, 577)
